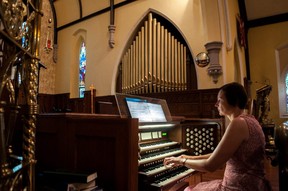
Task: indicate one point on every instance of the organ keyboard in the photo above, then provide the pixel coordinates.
(153, 175)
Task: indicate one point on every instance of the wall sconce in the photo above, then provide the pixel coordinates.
(215, 69)
(48, 41)
(202, 59)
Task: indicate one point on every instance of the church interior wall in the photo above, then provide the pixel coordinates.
(199, 22)
(263, 42)
(194, 19)
(47, 76)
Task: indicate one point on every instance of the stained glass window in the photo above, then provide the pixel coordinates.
(24, 44)
(286, 85)
(24, 37)
(82, 70)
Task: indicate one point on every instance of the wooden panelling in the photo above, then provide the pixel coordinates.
(107, 144)
(194, 103)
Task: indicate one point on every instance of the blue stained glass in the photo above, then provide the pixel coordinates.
(82, 70)
(24, 40)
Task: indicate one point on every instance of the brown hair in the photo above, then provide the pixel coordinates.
(235, 94)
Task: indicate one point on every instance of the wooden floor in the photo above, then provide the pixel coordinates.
(271, 175)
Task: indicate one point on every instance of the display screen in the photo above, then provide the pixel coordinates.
(145, 111)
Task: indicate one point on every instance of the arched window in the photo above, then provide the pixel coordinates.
(286, 85)
(25, 37)
(16, 69)
(281, 54)
(82, 69)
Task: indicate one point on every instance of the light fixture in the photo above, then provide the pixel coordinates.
(202, 59)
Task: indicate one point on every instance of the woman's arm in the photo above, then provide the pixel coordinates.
(206, 156)
(234, 135)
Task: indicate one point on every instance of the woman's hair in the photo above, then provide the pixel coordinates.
(235, 94)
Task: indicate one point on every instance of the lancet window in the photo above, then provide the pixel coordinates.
(82, 69)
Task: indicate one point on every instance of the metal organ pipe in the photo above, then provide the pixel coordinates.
(155, 61)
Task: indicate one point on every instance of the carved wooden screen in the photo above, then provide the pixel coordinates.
(157, 60)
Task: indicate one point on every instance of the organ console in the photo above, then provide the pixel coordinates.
(126, 149)
(155, 143)
(198, 137)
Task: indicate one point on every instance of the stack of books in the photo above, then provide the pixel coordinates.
(70, 181)
(79, 186)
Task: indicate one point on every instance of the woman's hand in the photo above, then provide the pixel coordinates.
(173, 161)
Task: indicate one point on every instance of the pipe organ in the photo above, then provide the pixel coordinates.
(156, 61)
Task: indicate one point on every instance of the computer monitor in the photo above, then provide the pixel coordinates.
(146, 109)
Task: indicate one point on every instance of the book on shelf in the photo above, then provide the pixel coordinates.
(94, 188)
(76, 186)
(71, 176)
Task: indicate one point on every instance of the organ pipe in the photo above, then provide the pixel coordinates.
(155, 61)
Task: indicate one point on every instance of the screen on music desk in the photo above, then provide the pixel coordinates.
(145, 111)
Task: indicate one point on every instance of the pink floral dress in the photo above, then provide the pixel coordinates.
(245, 170)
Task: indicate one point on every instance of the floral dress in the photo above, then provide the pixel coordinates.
(245, 170)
